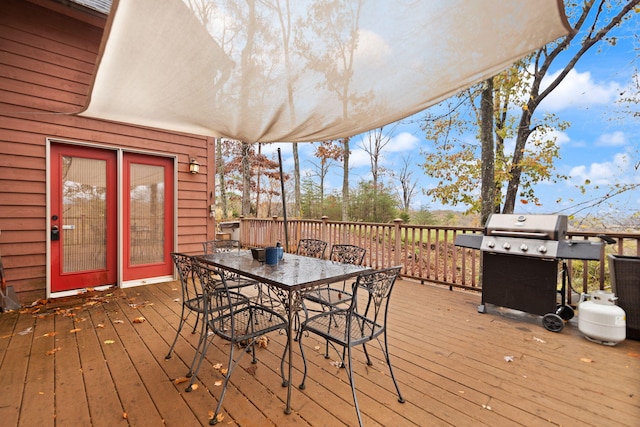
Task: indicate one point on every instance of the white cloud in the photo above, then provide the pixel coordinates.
(404, 141)
(359, 158)
(615, 139)
(372, 48)
(619, 169)
(578, 90)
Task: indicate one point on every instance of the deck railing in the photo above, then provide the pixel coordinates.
(426, 253)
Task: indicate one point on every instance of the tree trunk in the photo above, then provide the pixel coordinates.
(516, 167)
(297, 208)
(345, 181)
(488, 154)
(221, 179)
(246, 180)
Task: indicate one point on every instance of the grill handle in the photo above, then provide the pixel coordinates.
(530, 234)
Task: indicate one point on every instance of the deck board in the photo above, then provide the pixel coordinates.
(448, 358)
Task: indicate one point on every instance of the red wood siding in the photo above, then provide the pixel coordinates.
(46, 63)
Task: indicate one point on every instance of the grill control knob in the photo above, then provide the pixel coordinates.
(506, 245)
(542, 249)
(491, 244)
(524, 248)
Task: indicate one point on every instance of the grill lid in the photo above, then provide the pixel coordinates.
(541, 227)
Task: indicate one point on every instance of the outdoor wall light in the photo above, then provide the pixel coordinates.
(194, 166)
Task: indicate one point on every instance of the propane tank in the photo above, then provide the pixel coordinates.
(600, 319)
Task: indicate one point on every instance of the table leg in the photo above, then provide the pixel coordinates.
(287, 409)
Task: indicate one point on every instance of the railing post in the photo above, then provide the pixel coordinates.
(323, 228)
(398, 241)
(274, 230)
(243, 224)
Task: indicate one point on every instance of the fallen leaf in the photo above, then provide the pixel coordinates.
(124, 415)
(217, 366)
(118, 321)
(251, 370)
(26, 331)
(73, 331)
(586, 360)
(636, 355)
(223, 371)
(139, 320)
(50, 334)
(109, 341)
(220, 417)
(508, 359)
(176, 300)
(180, 380)
(217, 383)
(53, 351)
(194, 387)
(539, 340)
(99, 325)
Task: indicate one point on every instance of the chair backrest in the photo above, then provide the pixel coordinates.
(311, 247)
(184, 265)
(216, 294)
(214, 246)
(377, 285)
(347, 254)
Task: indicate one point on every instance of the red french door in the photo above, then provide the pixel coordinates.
(148, 216)
(85, 207)
(83, 217)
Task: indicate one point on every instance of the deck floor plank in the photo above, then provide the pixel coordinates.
(448, 358)
(71, 404)
(38, 404)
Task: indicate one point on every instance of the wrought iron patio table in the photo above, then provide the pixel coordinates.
(291, 276)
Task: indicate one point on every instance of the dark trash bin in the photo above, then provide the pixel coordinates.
(625, 283)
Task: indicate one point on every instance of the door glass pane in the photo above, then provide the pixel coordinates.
(146, 194)
(84, 214)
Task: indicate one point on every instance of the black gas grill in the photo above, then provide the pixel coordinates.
(520, 255)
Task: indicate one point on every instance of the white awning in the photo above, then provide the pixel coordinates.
(311, 70)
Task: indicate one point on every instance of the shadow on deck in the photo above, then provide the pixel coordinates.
(85, 361)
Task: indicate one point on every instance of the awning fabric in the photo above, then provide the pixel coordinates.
(303, 70)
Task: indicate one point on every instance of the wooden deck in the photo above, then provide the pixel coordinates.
(86, 362)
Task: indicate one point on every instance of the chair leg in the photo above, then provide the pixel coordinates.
(285, 382)
(393, 377)
(304, 361)
(204, 343)
(196, 325)
(353, 386)
(231, 366)
(204, 330)
(175, 339)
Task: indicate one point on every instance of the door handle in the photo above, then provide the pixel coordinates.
(55, 233)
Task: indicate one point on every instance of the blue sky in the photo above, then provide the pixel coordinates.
(601, 144)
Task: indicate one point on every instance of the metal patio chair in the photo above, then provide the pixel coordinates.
(328, 297)
(311, 247)
(192, 299)
(345, 328)
(235, 281)
(242, 324)
(346, 254)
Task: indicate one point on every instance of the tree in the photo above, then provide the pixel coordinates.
(327, 152)
(335, 24)
(487, 156)
(362, 202)
(455, 159)
(594, 20)
(373, 144)
(407, 185)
